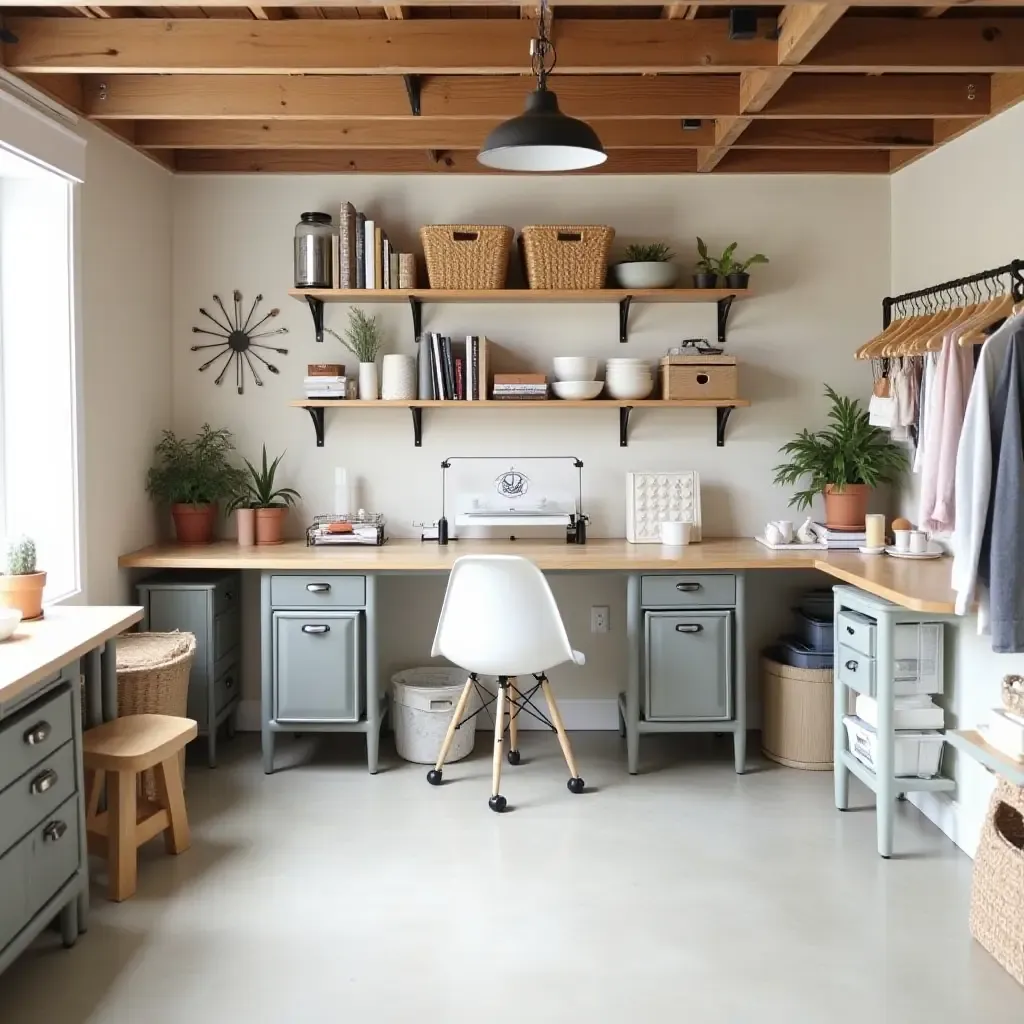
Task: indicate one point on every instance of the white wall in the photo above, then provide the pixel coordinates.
(828, 241)
(125, 275)
(954, 213)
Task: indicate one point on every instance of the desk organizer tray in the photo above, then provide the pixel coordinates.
(367, 530)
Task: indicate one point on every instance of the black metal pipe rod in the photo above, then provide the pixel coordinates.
(1015, 269)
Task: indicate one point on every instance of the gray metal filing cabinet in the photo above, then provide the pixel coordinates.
(208, 606)
(686, 658)
(42, 818)
(319, 658)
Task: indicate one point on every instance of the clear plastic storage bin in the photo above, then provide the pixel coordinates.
(917, 653)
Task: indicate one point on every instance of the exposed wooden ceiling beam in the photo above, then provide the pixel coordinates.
(395, 13)
(802, 27)
(213, 5)
(817, 134)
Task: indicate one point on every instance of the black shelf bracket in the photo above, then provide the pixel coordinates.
(416, 308)
(316, 307)
(722, 414)
(417, 425)
(413, 87)
(724, 305)
(624, 411)
(316, 413)
(624, 305)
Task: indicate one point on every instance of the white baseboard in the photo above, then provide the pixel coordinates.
(583, 714)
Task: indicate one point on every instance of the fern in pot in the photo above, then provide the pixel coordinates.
(363, 340)
(261, 500)
(647, 266)
(845, 461)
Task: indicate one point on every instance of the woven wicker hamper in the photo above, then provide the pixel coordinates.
(570, 257)
(997, 891)
(797, 715)
(467, 256)
(152, 679)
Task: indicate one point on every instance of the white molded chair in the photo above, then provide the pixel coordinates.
(499, 618)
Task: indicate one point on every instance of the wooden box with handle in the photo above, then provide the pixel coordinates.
(698, 376)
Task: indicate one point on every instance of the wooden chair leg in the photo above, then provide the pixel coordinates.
(449, 736)
(497, 801)
(177, 835)
(93, 792)
(122, 854)
(575, 782)
(513, 722)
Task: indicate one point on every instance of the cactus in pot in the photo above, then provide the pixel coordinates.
(21, 586)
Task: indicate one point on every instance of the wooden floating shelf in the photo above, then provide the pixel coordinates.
(723, 407)
(973, 743)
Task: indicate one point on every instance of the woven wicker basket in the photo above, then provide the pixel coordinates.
(1013, 694)
(797, 715)
(997, 892)
(570, 257)
(469, 256)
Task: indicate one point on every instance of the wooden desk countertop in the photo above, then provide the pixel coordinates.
(921, 586)
(38, 649)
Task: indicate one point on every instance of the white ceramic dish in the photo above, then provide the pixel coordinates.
(934, 551)
(872, 551)
(574, 369)
(625, 389)
(9, 619)
(577, 390)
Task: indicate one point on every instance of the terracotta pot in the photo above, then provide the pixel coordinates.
(845, 508)
(193, 524)
(245, 522)
(270, 525)
(24, 593)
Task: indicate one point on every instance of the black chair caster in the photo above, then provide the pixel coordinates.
(497, 803)
(514, 757)
(434, 776)
(575, 785)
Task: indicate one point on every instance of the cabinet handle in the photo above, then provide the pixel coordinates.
(39, 733)
(849, 629)
(852, 665)
(229, 595)
(54, 832)
(43, 781)
(229, 682)
(688, 588)
(318, 588)
(689, 627)
(316, 629)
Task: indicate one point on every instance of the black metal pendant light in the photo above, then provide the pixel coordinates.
(542, 138)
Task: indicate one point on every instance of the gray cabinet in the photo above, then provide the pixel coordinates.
(208, 606)
(689, 666)
(317, 663)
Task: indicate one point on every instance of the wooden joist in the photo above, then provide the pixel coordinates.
(218, 5)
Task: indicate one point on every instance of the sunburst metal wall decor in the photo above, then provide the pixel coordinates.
(239, 341)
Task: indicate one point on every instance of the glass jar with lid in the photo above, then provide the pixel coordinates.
(314, 250)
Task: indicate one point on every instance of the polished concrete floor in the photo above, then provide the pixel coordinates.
(686, 894)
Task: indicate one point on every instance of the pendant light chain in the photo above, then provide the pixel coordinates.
(543, 57)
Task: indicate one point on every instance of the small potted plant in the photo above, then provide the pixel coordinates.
(269, 503)
(192, 476)
(735, 271)
(706, 272)
(363, 340)
(844, 461)
(647, 266)
(21, 586)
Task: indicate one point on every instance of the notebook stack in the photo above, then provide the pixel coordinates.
(520, 386)
(840, 540)
(325, 381)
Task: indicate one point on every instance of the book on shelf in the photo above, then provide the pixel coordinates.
(346, 261)
(378, 247)
(520, 378)
(385, 261)
(360, 248)
(460, 379)
(335, 261)
(369, 235)
(516, 397)
(395, 282)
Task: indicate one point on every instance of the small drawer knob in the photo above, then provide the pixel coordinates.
(43, 781)
(852, 665)
(39, 733)
(54, 831)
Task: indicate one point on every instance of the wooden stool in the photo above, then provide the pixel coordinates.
(123, 749)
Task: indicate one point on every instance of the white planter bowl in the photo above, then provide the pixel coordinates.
(574, 368)
(9, 619)
(577, 390)
(646, 275)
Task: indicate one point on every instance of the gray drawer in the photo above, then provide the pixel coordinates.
(227, 595)
(709, 589)
(226, 687)
(856, 670)
(226, 631)
(689, 666)
(39, 792)
(327, 591)
(857, 631)
(32, 734)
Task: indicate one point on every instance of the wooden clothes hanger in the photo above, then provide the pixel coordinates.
(897, 329)
(896, 326)
(997, 309)
(912, 341)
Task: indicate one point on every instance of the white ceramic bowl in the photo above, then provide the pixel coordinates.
(638, 387)
(646, 275)
(9, 619)
(575, 369)
(577, 390)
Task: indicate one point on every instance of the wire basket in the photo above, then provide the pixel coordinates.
(367, 530)
(466, 256)
(571, 257)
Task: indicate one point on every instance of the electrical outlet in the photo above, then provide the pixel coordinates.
(599, 619)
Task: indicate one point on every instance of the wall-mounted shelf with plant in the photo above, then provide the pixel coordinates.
(712, 272)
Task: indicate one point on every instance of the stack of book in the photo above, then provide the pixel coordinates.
(458, 369)
(840, 540)
(364, 256)
(520, 386)
(325, 380)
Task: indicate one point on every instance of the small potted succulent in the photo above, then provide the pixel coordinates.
(363, 340)
(706, 271)
(192, 475)
(844, 461)
(21, 586)
(647, 266)
(268, 503)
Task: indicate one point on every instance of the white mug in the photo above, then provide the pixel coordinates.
(918, 542)
(785, 529)
(902, 538)
(772, 534)
(675, 533)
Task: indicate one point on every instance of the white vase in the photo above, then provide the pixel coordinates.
(398, 378)
(368, 382)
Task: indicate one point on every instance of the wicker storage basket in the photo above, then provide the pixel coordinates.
(570, 257)
(470, 256)
(797, 715)
(1013, 694)
(997, 892)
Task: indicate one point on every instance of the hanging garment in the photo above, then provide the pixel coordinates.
(974, 476)
(927, 387)
(959, 377)
(934, 425)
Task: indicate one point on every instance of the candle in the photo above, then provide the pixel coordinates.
(342, 494)
(874, 528)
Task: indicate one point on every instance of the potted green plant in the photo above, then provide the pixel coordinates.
(844, 461)
(735, 271)
(21, 586)
(363, 340)
(647, 266)
(192, 475)
(706, 271)
(269, 503)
